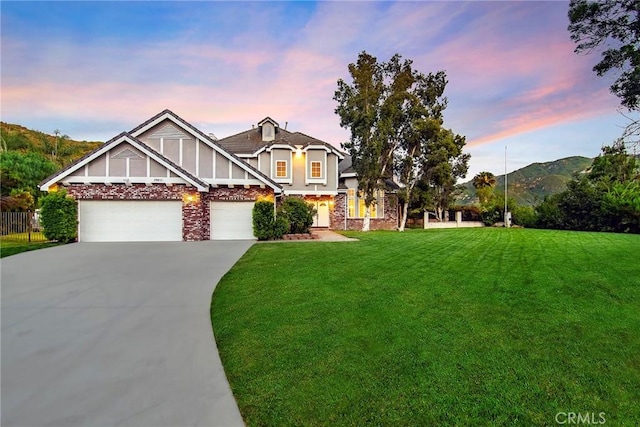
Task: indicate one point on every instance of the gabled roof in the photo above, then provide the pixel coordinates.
(250, 141)
(270, 120)
(128, 138)
(189, 128)
(345, 167)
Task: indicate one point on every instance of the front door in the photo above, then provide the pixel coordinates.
(321, 219)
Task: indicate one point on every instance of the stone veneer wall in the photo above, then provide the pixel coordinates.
(389, 222)
(195, 206)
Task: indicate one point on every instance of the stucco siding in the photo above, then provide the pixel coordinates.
(157, 170)
(171, 150)
(332, 171)
(98, 167)
(298, 173)
(138, 167)
(265, 163)
(206, 161)
(153, 143)
(117, 167)
(189, 154)
(237, 172)
(222, 166)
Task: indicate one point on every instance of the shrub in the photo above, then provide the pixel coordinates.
(265, 226)
(59, 217)
(263, 220)
(621, 207)
(524, 216)
(281, 227)
(298, 213)
(549, 214)
(490, 215)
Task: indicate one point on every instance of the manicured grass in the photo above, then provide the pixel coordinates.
(15, 243)
(437, 327)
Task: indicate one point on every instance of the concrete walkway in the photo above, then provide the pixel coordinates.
(324, 235)
(332, 236)
(114, 334)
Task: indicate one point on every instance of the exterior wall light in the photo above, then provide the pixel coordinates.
(191, 198)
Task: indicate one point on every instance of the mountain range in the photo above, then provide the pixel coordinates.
(530, 185)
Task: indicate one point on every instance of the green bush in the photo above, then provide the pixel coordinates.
(59, 217)
(524, 216)
(491, 213)
(298, 213)
(263, 220)
(265, 226)
(281, 227)
(621, 208)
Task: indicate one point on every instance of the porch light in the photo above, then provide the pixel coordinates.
(298, 150)
(191, 197)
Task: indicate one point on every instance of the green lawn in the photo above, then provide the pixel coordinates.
(440, 327)
(16, 243)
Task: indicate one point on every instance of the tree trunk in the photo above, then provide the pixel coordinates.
(366, 221)
(405, 212)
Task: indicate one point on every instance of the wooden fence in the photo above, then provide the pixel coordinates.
(21, 227)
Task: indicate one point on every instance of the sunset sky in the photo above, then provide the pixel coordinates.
(94, 69)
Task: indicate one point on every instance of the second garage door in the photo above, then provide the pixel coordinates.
(129, 221)
(231, 221)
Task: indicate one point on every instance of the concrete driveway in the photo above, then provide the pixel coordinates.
(114, 334)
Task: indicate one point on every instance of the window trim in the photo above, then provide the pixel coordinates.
(323, 166)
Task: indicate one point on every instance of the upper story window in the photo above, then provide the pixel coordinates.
(316, 169)
(281, 169)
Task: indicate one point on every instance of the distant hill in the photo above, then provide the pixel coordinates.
(60, 150)
(529, 185)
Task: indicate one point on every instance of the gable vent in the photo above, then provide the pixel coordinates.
(127, 153)
(168, 131)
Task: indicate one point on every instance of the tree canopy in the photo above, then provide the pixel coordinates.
(21, 173)
(394, 113)
(614, 27)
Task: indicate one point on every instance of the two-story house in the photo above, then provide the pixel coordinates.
(165, 180)
(303, 166)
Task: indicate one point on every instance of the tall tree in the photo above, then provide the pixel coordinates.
(420, 126)
(359, 111)
(445, 164)
(394, 113)
(613, 26)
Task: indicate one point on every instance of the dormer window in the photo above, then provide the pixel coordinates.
(268, 129)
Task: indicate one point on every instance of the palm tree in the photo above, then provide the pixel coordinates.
(484, 183)
(483, 180)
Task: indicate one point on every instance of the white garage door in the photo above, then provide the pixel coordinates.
(231, 220)
(129, 221)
